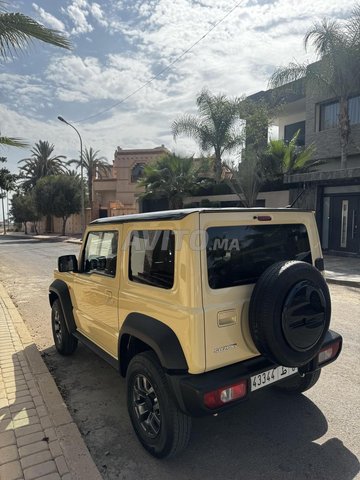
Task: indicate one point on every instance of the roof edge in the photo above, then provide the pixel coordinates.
(179, 214)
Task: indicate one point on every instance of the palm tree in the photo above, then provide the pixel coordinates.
(283, 158)
(172, 177)
(95, 167)
(337, 46)
(215, 127)
(42, 163)
(247, 177)
(17, 31)
(7, 183)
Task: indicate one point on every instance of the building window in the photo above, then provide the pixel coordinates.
(290, 130)
(137, 171)
(152, 258)
(329, 115)
(354, 110)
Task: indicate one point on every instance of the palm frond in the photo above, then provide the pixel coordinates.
(353, 27)
(284, 75)
(324, 36)
(13, 142)
(187, 125)
(17, 31)
(42, 163)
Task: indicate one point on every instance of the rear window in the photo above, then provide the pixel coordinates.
(238, 255)
(152, 258)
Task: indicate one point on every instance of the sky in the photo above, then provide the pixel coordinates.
(118, 45)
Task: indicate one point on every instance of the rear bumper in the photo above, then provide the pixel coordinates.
(189, 390)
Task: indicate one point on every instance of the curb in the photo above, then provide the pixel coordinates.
(345, 283)
(76, 453)
(44, 238)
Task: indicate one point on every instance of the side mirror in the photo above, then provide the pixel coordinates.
(67, 263)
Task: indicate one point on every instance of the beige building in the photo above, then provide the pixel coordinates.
(118, 194)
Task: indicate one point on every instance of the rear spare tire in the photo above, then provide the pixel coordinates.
(289, 313)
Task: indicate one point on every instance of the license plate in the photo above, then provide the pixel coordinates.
(271, 376)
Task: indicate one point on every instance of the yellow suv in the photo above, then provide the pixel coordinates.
(198, 309)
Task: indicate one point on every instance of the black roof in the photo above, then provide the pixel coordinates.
(179, 214)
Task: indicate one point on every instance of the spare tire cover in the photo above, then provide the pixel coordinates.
(289, 313)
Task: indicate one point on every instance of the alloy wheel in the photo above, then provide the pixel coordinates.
(146, 406)
(57, 327)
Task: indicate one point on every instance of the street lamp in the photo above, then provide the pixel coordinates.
(82, 214)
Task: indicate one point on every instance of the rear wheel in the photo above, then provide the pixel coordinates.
(65, 343)
(299, 383)
(163, 430)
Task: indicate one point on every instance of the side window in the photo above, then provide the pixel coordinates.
(101, 253)
(152, 258)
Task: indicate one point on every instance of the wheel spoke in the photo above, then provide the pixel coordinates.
(140, 387)
(154, 426)
(146, 405)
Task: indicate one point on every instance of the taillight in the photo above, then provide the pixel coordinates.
(329, 352)
(221, 396)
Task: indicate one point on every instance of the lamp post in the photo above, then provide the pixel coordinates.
(82, 214)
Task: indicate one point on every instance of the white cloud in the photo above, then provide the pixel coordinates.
(98, 14)
(24, 92)
(89, 79)
(78, 11)
(49, 19)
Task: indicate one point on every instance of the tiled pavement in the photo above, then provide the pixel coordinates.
(38, 439)
(29, 448)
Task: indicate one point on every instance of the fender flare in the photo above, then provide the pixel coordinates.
(158, 336)
(59, 289)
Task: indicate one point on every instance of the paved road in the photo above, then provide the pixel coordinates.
(313, 436)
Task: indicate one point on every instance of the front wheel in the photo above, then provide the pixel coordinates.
(65, 343)
(161, 427)
(298, 383)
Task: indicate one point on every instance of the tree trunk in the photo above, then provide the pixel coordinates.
(64, 226)
(7, 209)
(344, 125)
(3, 213)
(49, 224)
(217, 166)
(90, 197)
(25, 225)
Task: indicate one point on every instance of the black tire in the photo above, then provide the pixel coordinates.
(298, 383)
(65, 343)
(163, 430)
(289, 313)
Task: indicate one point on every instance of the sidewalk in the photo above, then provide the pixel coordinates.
(52, 237)
(342, 270)
(38, 438)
